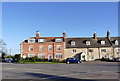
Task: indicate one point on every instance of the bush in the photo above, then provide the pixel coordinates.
(55, 60)
(63, 61)
(17, 57)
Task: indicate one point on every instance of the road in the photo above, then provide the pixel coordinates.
(86, 70)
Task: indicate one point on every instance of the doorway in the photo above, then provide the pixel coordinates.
(49, 57)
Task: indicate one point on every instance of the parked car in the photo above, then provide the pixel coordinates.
(73, 60)
(9, 60)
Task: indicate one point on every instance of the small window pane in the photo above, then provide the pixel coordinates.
(31, 40)
(41, 40)
(31, 55)
(41, 48)
(87, 42)
(73, 43)
(58, 47)
(50, 48)
(102, 42)
(41, 55)
(103, 50)
(90, 50)
(116, 42)
(58, 40)
(58, 55)
(31, 48)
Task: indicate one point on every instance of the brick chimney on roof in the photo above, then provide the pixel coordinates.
(64, 35)
(37, 34)
(95, 35)
(108, 34)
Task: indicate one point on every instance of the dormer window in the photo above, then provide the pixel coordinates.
(87, 42)
(41, 40)
(103, 42)
(58, 40)
(72, 43)
(116, 42)
(31, 40)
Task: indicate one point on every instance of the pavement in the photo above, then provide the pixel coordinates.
(85, 70)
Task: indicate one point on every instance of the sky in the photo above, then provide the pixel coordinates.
(21, 20)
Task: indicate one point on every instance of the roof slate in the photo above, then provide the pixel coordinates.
(48, 39)
(81, 42)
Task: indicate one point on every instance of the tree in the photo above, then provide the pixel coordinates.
(2, 46)
(2, 50)
(17, 57)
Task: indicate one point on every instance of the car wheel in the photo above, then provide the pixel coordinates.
(78, 62)
(68, 62)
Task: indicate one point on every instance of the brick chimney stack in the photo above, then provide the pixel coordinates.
(95, 35)
(64, 35)
(37, 34)
(108, 34)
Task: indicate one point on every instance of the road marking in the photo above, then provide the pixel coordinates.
(104, 71)
(9, 68)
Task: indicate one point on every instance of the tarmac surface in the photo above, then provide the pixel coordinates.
(85, 70)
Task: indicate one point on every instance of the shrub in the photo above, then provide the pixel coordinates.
(17, 57)
(63, 61)
(55, 60)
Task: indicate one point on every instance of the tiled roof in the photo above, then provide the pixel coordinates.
(113, 39)
(48, 39)
(81, 42)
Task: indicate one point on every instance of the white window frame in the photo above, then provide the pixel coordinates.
(103, 50)
(74, 51)
(31, 40)
(58, 55)
(31, 47)
(31, 55)
(58, 40)
(91, 50)
(72, 43)
(41, 40)
(103, 42)
(41, 55)
(116, 42)
(58, 47)
(87, 42)
(50, 48)
(41, 47)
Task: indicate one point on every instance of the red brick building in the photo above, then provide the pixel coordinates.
(44, 47)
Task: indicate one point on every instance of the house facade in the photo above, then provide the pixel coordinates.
(93, 48)
(43, 47)
(89, 48)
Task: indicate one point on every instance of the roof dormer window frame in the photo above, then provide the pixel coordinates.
(87, 42)
(58, 40)
(116, 42)
(41, 40)
(102, 42)
(72, 43)
(31, 40)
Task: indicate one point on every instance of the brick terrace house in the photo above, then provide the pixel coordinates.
(43, 47)
(87, 48)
